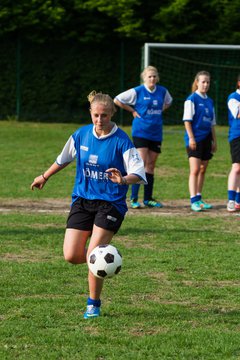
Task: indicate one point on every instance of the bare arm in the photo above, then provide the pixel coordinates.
(41, 180)
(192, 141)
(127, 108)
(214, 140)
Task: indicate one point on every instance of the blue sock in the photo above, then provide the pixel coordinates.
(237, 198)
(135, 190)
(199, 197)
(194, 199)
(231, 195)
(94, 302)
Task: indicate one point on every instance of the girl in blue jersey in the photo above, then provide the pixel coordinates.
(233, 104)
(146, 103)
(107, 162)
(200, 138)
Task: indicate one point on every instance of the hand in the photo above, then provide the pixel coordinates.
(214, 147)
(115, 175)
(38, 182)
(192, 144)
(135, 114)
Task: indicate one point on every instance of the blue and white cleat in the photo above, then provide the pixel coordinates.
(92, 312)
(152, 203)
(204, 205)
(197, 206)
(134, 204)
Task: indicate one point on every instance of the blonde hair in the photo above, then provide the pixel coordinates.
(194, 84)
(147, 69)
(104, 99)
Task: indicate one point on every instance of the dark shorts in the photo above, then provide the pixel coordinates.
(203, 150)
(145, 143)
(235, 150)
(84, 213)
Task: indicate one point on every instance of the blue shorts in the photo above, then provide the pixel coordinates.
(85, 213)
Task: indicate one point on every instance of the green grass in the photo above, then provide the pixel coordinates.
(177, 296)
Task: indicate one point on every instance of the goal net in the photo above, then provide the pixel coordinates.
(178, 64)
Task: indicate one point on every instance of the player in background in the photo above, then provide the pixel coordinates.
(107, 162)
(233, 104)
(200, 137)
(146, 103)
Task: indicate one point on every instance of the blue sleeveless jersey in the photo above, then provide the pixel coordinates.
(234, 123)
(203, 118)
(149, 106)
(93, 157)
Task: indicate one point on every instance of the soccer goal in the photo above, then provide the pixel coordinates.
(178, 64)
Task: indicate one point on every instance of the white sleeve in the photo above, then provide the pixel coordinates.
(168, 98)
(68, 153)
(189, 110)
(234, 107)
(134, 165)
(128, 97)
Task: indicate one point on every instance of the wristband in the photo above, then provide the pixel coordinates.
(46, 179)
(124, 181)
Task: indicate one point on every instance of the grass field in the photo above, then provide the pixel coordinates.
(177, 296)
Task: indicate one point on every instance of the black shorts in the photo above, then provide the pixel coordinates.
(235, 150)
(203, 150)
(84, 213)
(145, 143)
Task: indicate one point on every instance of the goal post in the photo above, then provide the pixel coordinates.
(178, 64)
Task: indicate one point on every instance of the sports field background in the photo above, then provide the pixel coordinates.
(177, 296)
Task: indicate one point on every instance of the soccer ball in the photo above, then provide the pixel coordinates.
(105, 261)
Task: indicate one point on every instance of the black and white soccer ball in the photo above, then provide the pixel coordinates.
(105, 261)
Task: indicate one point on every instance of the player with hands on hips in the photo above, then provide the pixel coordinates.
(146, 103)
(200, 137)
(107, 162)
(233, 104)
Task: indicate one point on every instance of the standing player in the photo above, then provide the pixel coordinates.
(233, 104)
(200, 138)
(107, 162)
(146, 103)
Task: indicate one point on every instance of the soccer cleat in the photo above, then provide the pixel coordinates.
(152, 203)
(92, 312)
(196, 206)
(204, 205)
(135, 204)
(231, 206)
(237, 206)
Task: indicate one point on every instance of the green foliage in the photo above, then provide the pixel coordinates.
(54, 52)
(55, 78)
(90, 20)
(35, 16)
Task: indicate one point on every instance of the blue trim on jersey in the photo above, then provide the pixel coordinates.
(234, 123)
(202, 120)
(149, 106)
(93, 157)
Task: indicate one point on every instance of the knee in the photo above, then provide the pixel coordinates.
(202, 169)
(74, 258)
(236, 168)
(194, 171)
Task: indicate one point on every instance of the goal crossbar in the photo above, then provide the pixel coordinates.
(147, 47)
